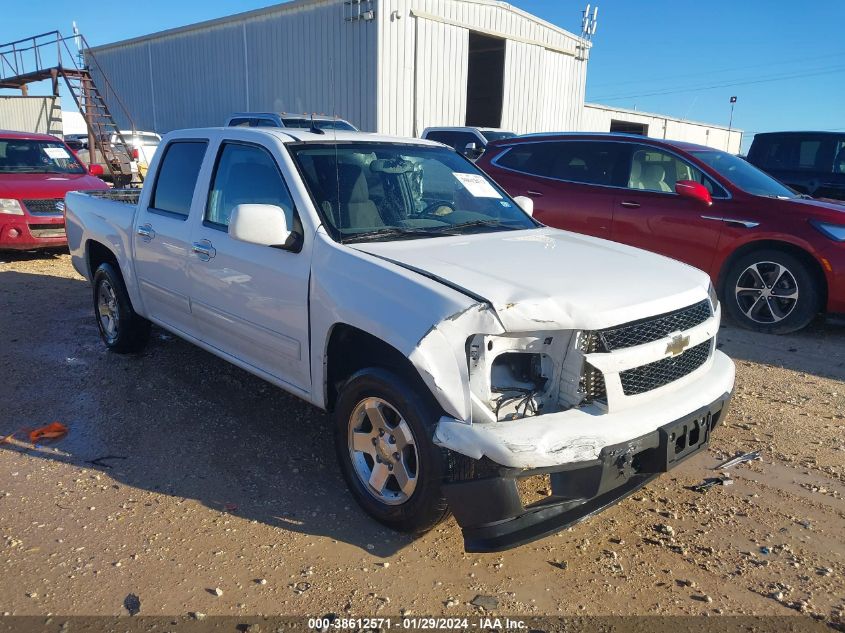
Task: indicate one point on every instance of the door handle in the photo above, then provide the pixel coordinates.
(146, 232)
(630, 204)
(204, 250)
(534, 194)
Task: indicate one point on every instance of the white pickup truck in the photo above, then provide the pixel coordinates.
(460, 345)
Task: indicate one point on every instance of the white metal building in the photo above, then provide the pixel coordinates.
(601, 118)
(391, 66)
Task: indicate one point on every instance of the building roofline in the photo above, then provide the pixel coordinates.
(296, 5)
(284, 7)
(662, 116)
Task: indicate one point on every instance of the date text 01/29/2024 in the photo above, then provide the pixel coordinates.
(417, 623)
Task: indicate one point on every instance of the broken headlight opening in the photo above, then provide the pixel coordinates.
(518, 378)
(514, 376)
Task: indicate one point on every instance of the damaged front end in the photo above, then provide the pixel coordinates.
(492, 509)
(597, 412)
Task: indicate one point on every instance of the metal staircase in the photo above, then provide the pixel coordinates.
(48, 56)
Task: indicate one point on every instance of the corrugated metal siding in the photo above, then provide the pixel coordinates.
(299, 58)
(441, 74)
(597, 118)
(532, 70)
(41, 115)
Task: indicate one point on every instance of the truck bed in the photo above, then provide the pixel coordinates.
(130, 196)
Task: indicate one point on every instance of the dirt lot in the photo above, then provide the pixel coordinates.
(212, 479)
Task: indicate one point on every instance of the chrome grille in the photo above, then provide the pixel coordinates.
(654, 328)
(665, 370)
(48, 206)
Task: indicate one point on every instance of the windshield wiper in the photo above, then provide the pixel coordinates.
(480, 223)
(393, 231)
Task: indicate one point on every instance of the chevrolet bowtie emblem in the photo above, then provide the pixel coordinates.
(677, 345)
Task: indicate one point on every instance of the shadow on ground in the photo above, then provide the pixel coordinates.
(174, 420)
(819, 349)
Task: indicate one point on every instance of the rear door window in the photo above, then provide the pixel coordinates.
(586, 162)
(177, 177)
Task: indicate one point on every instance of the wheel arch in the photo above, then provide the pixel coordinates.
(97, 253)
(350, 349)
(801, 253)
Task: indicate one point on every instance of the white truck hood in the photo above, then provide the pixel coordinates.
(543, 279)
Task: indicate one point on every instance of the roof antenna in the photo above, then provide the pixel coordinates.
(314, 129)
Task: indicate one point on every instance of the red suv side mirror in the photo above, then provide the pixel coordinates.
(96, 170)
(694, 191)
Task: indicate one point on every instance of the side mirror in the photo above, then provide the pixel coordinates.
(472, 151)
(694, 191)
(262, 224)
(96, 170)
(526, 204)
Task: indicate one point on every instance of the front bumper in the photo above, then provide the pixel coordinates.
(30, 231)
(493, 518)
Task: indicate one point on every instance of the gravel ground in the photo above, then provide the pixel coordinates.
(218, 493)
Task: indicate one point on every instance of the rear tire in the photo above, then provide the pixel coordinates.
(383, 440)
(121, 329)
(771, 291)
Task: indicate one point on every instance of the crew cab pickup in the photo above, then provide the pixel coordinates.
(460, 345)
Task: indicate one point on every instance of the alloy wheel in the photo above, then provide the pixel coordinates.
(383, 451)
(107, 311)
(766, 292)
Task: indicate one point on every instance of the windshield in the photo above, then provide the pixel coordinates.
(744, 175)
(375, 191)
(496, 136)
(26, 156)
(320, 124)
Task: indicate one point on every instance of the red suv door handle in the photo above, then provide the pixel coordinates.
(630, 204)
(534, 194)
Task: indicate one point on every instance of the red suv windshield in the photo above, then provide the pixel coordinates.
(29, 156)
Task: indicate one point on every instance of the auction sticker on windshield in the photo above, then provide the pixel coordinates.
(477, 185)
(56, 153)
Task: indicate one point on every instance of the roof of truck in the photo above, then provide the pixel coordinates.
(302, 135)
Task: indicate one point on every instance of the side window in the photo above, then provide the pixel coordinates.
(839, 158)
(440, 137)
(808, 152)
(588, 162)
(655, 170)
(239, 122)
(517, 157)
(177, 177)
(246, 174)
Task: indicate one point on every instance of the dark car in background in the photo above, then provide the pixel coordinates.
(812, 163)
(776, 258)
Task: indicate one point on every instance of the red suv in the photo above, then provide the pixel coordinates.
(777, 258)
(36, 171)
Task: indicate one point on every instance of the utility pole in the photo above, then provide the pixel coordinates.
(730, 123)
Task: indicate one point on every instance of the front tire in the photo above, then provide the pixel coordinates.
(383, 440)
(771, 291)
(121, 329)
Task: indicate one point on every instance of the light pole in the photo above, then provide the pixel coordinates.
(730, 123)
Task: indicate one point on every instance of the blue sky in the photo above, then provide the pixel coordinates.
(784, 60)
